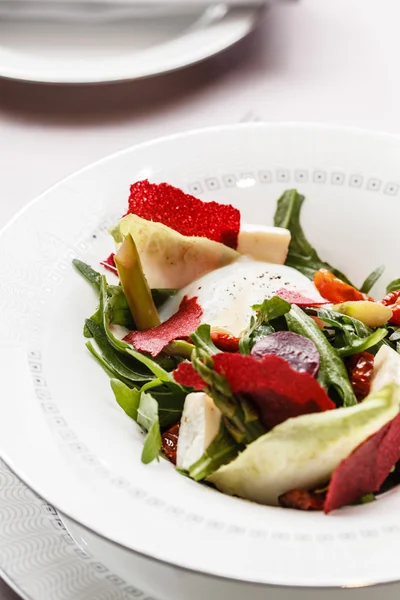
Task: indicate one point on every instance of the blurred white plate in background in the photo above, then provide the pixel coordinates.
(127, 45)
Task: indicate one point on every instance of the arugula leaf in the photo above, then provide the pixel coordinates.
(87, 272)
(372, 279)
(222, 450)
(170, 398)
(201, 338)
(332, 373)
(351, 335)
(393, 286)
(116, 362)
(127, 398)
(102, 362)
(362, 344)
(147, 417)
(260, 325)
(301, 255)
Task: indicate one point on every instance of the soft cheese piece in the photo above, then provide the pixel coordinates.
(200, 424)
(269, 244)
(228, 294)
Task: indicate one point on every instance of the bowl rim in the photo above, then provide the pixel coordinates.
(293, 125)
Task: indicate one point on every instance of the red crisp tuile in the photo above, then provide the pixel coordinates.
(367, 467)
(184, 213)
(186, 375)
(298, 298)
(109, 264)
(180, 325)
(278, 391)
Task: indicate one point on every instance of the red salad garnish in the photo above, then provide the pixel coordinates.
(184, 213)
(109, 264)
(367, 467)
(278, 391)
(180, 325)
(298, 298)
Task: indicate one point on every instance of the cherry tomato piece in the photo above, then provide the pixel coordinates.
(170, 442)
(302, 500)
(360, 367)
(392, 301)
(335, 290)
(225, 341)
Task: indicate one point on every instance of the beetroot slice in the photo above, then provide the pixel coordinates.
(278, 391)
(109, 264)
(181, 324)
(297, 298)
(300, 352)
(184, 213)
(367, 467)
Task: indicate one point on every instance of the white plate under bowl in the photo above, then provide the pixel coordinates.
(128, 48)
(60, 428)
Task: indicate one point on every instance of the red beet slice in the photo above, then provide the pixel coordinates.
(278, 391)
(367, 467)
(181, 324)
(298, 298)
(184, 213)
(109, 264)
(300, 352)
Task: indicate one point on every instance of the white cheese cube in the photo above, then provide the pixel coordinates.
(269, 244)
(200, 424)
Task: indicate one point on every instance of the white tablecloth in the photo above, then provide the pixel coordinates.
(312, 60)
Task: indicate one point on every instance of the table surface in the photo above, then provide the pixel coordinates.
(310, 60)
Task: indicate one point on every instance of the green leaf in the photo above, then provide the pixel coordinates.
(362, 344)
(127, 398)
(201, 338)
(153, 366)
(170, 398)
(117, 362)
(332, 373)
(118, 309)
(301, 255)
(87, 272)
(351, 335)
(372, 279)
(102, 362)
(160, 296)
(393, 286)
(260, 325)
(220, 452)
(147, 417)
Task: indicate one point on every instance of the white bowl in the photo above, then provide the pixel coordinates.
(62, 432)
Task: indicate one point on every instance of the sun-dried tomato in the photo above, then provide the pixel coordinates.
(335, 290)
(225, 341)
(170, 442)
(360, 367)
(392, 301)
(302, 500)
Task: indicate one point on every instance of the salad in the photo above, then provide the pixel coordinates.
(249, 363)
